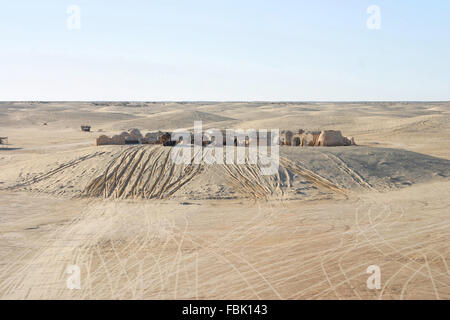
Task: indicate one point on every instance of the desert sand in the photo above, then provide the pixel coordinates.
(140, 227)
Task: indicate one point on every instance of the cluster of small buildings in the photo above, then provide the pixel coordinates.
(134, 136)
(326, 138)
(300, 137)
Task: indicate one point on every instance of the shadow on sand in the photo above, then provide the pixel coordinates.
(9, 149)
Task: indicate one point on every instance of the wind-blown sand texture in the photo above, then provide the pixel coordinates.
(140, 226)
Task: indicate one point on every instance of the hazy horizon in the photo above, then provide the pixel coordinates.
(229, 101)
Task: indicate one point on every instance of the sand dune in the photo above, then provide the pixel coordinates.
(148, 172)
(140, 226)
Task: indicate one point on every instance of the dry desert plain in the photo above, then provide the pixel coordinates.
(140, 227)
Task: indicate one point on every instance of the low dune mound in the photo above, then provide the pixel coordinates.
(369, 168)
(144, 173)
(148, 172)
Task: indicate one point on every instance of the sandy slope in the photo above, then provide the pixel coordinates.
(148, 172)
(141, 227)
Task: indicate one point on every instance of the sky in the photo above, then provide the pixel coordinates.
(225, 50)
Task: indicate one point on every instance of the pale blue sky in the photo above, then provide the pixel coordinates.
(225, 50)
